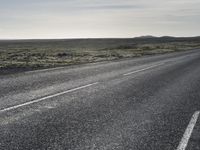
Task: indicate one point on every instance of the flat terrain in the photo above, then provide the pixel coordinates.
(20, 55)
(144, 103)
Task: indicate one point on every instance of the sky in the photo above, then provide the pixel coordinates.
(38, 19)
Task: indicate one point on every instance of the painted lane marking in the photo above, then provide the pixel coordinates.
(43, 70)
(47, 97)
(188, 132)
(136, 71)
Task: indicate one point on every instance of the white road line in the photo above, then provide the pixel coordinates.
(42, 70)
(47, 97)
(136, 71)
(188, 131)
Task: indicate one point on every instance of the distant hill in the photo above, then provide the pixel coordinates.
(145, 37)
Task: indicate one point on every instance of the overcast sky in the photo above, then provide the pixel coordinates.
(98, 18)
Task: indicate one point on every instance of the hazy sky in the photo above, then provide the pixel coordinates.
(98, 18)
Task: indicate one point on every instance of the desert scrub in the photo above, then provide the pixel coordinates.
(51, 53)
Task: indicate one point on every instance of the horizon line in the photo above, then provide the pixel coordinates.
(78, 38)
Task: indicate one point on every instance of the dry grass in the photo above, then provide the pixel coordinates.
(50, 53)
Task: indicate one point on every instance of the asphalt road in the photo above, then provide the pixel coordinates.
(134, 104)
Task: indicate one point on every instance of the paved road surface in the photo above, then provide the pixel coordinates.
(135, 104)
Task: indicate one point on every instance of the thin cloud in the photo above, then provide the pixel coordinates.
(111, 7)
(98, 18)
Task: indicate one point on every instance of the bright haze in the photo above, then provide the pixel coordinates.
(21, 19)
